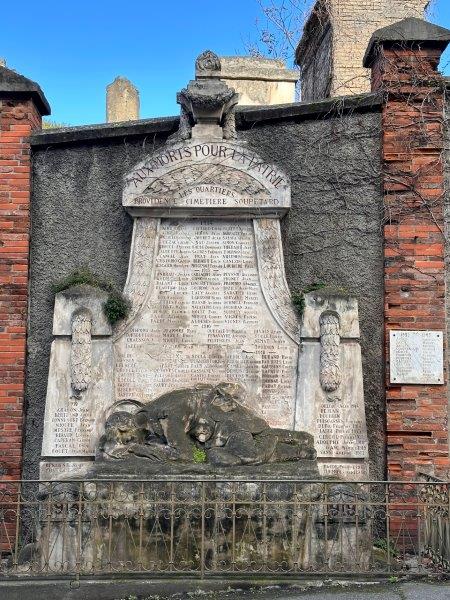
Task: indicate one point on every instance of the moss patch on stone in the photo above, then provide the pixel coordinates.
(298, 298)
(116, 307)
(199, 455)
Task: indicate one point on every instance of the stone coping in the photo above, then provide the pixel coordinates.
(16, 85)
(408, 31)
(246, 117)
(252, 68)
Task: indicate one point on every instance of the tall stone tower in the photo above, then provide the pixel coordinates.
(335, 37)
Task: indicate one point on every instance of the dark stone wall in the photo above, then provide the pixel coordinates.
(332, 235)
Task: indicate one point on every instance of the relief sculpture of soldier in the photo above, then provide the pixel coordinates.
(212, 418)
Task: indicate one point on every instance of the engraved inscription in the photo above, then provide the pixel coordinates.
(224, 153)
(417, 357)
(72, 427)
(340, 432)
(206, 320)
(55, 470)
(72, 430)
(209, 175)
(356, 471)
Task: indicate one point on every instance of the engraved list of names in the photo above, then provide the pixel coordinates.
(417, 357)
(206, 321)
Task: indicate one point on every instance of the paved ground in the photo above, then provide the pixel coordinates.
(191, 590)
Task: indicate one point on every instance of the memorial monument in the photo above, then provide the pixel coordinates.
(209, 304)
(212, 380)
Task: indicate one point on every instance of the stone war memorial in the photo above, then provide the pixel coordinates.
(209, 304)
(228, 355)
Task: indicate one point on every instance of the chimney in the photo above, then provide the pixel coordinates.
(122, 101)
(334, 39)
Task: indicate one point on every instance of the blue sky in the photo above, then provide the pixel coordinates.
(73, 49)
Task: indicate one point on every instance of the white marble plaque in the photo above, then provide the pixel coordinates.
(206, 320)
(417, 357)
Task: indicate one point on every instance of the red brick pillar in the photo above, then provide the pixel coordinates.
(22, 105)
(404, 59)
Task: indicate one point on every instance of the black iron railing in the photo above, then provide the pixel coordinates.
(215, 527)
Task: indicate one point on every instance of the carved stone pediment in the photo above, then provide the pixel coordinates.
(207, 177)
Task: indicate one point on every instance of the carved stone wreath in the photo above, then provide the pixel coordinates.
(207, 61)
(191, 175)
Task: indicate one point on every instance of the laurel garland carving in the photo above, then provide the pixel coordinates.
(81, 352)
(330, 370)
(140, 267)
(196, 175)
(272, 276)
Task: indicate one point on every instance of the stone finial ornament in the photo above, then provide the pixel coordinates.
(207, 104)
(207, 61)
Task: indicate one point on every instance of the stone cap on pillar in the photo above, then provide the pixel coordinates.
(412, 31)
(12, 83)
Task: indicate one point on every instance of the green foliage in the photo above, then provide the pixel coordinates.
(199, 455)
(393, 579)
(48, 124)
(298, 298)
(115, 308)
(384, 544)
(81, 276)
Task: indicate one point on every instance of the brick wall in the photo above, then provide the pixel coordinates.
(17, 119)
(413, 180)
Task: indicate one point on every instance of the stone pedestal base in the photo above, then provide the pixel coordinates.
(206, 524)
